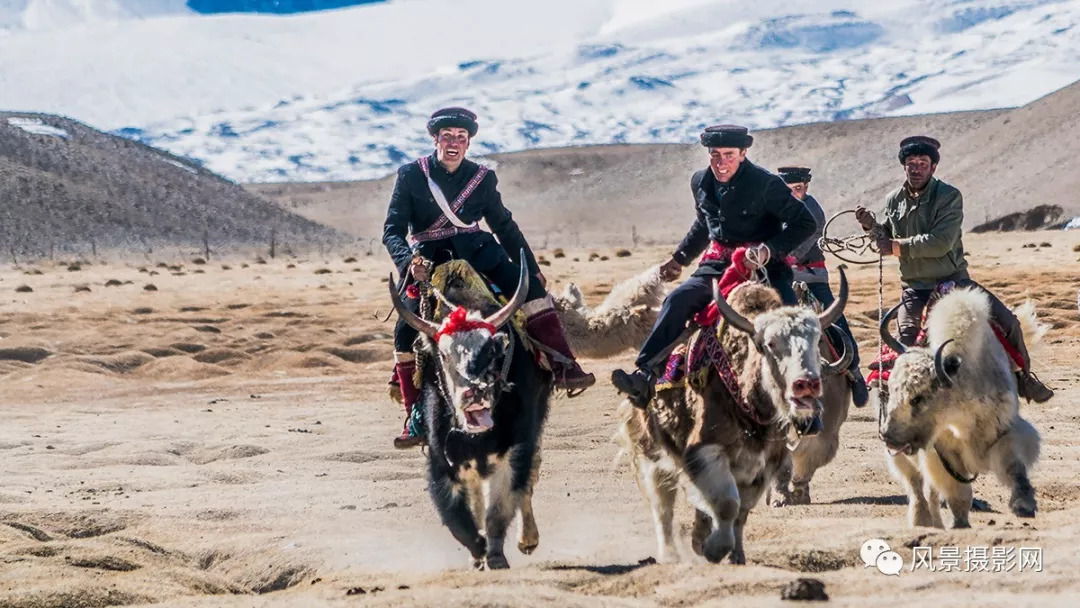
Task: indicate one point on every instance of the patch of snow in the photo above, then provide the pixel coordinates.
(1074, 224)
(38, 127)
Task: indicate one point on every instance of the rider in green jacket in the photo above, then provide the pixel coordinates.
(922, 227)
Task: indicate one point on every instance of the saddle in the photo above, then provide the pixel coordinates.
(690, 360)
(881, 367)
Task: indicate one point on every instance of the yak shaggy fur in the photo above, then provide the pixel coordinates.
(971, 418)
(699, 439)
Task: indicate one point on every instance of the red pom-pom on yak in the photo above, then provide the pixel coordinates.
(459, 321)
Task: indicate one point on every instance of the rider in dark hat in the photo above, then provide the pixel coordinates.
(808, 263)
(922, 227)
(434, 216)
(739, 205)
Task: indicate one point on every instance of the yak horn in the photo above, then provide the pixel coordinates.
(832, 314)
(939, 366)
(735, 319)
(887, 337)
(846, 357)
(506, 312)
(425, 327)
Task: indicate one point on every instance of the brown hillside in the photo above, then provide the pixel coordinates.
(79, 188)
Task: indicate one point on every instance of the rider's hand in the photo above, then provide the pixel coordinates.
(864, 217)
(670, 270)
(543, 280)
(419, 270)
(762, 254)
(887, 246)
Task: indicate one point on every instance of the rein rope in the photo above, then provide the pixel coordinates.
(859, 245)
(881, 312)
(855, 244)
(758, 274)
(426, 288)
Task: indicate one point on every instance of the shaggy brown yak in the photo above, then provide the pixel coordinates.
(725, 451)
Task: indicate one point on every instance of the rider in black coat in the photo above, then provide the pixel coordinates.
(420, 232)
(739, 204)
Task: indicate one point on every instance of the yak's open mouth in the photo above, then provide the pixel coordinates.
(804, 406)
(478, 418)
(895, 450)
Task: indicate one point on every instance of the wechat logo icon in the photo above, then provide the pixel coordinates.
(876, 553)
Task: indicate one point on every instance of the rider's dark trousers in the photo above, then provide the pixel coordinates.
(691, 297)
(504, 274)
(913, 301)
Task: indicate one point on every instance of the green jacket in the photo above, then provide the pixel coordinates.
(929, 231)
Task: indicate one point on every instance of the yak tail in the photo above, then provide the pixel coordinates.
(1033, 330)
(628, 432)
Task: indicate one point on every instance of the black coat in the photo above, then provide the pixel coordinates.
(413, 209)
(758, 207)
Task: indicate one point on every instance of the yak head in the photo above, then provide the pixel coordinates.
(787, 340)
(470, 352)
(919, 389)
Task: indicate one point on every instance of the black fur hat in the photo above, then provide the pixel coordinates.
(453, 117)
(920, 145)
(726, 136)
(794, 175)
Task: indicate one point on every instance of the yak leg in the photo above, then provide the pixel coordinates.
(702, 528)
(738, 556)
(920, 511)
(660, 487)
(475, 492)
(816, 453)
(529, 536)
(1010, 458)
(502, 503)
(717, 494)
(957, 495)
(782, 485)
(451, 500)
(748, 498)
(506, 488)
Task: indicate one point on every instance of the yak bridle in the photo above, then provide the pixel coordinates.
(825, 319)
(483, 383)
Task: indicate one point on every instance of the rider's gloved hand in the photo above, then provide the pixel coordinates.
(886, 246)
(865, 218)
(670, 270)
(419, 269)
(760, 254)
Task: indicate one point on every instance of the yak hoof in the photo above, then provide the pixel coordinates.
(1023, 507)
(478, 548)
(737, 557)
(478, 564)
(497, 562)
(1024, 512)
(718, 545)
(800, 495)
(527, 548)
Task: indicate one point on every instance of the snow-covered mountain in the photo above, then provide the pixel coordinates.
(344, 94)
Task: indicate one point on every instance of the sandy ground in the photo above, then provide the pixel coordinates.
(225, 440)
